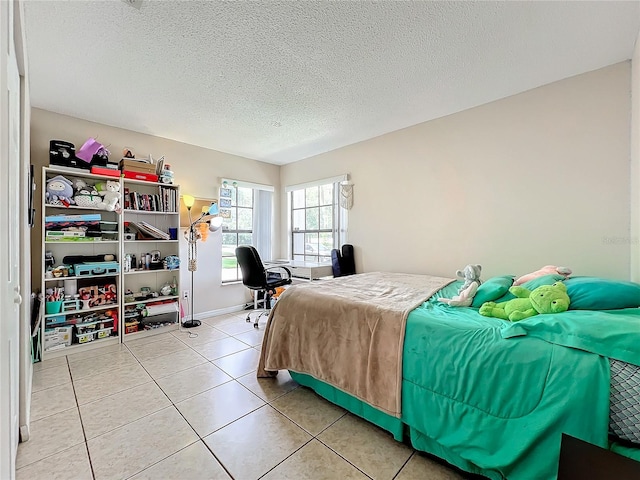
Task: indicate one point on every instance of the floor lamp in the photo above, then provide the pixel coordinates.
(192, 234)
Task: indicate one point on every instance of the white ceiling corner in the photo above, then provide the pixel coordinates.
(279, 81)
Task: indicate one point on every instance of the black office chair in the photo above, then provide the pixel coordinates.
(259, 279)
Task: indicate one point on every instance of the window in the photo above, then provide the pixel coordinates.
(247, 221)
(318, 224)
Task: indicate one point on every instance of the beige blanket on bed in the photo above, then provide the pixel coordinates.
(348, 332)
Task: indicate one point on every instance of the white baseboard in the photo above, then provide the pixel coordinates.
(213, 313)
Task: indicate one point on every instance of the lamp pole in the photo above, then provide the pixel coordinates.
(192, 322)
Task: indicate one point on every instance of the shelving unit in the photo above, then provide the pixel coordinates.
(83, 302)
(156, 205)
(96, 312)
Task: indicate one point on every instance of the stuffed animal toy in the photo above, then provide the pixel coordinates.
(470, 274)
(544, 299)
(59, 191)
(86, 195)
(464, 298)
(110, 192)
(546, 270)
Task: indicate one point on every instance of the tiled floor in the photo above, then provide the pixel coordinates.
(186, 407)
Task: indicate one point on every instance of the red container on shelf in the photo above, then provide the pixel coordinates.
(105, 171)
(147, 177)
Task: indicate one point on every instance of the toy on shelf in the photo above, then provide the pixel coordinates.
(86, 195)
(110, 193)
(59, 191)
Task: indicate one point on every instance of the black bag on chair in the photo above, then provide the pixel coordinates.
(343, 263)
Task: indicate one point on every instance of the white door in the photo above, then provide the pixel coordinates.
(10, 297)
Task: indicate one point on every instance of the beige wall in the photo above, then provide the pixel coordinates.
(537, 178)
(197, 170)
(634, 243)
(541, 177)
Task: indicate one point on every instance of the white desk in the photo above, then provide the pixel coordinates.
(304, 270)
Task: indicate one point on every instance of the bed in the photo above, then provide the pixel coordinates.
(488, 396)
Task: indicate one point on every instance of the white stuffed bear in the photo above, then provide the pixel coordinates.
(110, 191)
(464, 298)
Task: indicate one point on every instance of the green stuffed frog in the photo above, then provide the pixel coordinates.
(544, 299)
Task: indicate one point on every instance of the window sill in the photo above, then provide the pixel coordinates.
(236, 282)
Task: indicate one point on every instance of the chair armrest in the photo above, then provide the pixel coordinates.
(279, 267)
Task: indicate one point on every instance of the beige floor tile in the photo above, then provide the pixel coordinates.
(236, 327)
(102, 363)
(193, 463)
(199, 335)
(215, 408)
(130, 449)
(220, 348)
(420, 466)
(52, 400)
(51, 435)
(93, 353)
(269, 389)
(315, 461)
(54, 362)
(164, 365)
(238, 364)
(190, 382)
(310, 411)
(369, 448)
(109, 413)
(252, 338)
(167, 345)
(107, 383)
(265, 435)
(68, 464)
(220, 319)
(138, 341)
(50, 377)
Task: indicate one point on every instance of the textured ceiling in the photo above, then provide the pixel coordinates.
(281, 81)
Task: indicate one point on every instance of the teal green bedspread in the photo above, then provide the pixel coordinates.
(493, 397)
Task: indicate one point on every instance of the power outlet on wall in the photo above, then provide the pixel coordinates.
(185, 294)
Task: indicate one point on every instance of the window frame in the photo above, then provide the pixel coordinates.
(338, 219)
(235, 185)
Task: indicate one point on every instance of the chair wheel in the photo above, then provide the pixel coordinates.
(248, 319)
(255, 325)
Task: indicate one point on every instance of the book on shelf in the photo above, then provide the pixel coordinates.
(164, 201)
(91, 217)
(148, 230)
(56, 234)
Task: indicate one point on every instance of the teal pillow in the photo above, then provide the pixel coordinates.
(533, 284)
(593, 293)
(492, 289)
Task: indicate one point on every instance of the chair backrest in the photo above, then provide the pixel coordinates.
(253, 274)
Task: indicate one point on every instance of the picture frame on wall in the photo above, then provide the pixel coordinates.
(225, 193)
(225, 213)
(225, 202)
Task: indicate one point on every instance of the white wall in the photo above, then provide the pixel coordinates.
(197, 170)
(634, 237)
(537, 178)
